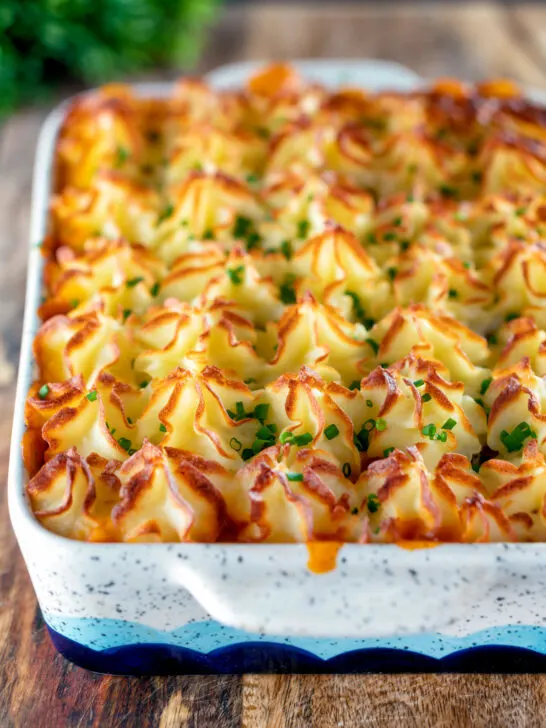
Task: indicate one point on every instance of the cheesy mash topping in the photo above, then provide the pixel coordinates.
(285, 313)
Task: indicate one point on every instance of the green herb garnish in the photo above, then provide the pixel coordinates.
(122, 155)
(303, 228)
(513, 441)
(373, 503)
(286, 249)
(165, 214)
(236, 275)
(287, 292)
(331, 431)
(92, 396)
(484, 386)
(43, 391)
(132, 282)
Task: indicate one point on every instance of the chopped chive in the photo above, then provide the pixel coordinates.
(452, 293)
(165, 213)
(236, 274)
(520, 211)
(404, 245)
(74, 303)
(442, 436)
(253, 239)
(303, 228)
(492, 339)
(449, 424)
(369, 403)
(511, 317)
(286, 437)
(208, 234)
(124, 443)
(143, 385)
(43, 391)
(235, 444)
(303, 439)
(346, 470)
(358, 310)
(132, 451)
(355, 384)
(250, 380)
(264, 433)
(129, 421)
(373, 503)
(384, 364)
(154, 290)
(242, 226)
(260, 412)
(419, 382)
(392, 272)
(484, 386)
(258, 445)
(295, 477)
(380, 424)
(448, 191)
(247, 453)
(131, 283)
(371, 238)
(287, 292)
(390, 235)
(286, 249)
(397, 222)
(331, 431)
(354, 511)
(374, 345)
(513, 441)
(429, 431)
(122, 155)
(426, 397)
(387, 451)
(126, 313)
(162, 428)
(92, 396)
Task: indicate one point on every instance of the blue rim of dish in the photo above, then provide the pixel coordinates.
(268, 657)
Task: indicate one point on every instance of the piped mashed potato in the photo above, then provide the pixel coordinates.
(285, 313)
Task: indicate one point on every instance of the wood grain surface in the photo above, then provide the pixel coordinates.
(38, 687)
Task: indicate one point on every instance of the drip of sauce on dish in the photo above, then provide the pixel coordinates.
(417, 544)
(323, 556)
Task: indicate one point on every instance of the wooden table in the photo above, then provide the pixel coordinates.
(36, 685)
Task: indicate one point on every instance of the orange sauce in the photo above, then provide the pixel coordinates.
(323, 555)
(405, 544)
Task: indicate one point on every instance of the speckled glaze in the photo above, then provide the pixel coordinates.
(160, 608)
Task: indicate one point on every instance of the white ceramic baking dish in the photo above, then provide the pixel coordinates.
(156, 608)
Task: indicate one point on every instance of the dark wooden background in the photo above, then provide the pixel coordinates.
(37, 687)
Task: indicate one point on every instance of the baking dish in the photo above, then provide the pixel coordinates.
(157, 608)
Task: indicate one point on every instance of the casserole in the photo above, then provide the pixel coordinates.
(148, 608)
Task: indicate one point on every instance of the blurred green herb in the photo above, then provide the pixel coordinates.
(44, 42)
